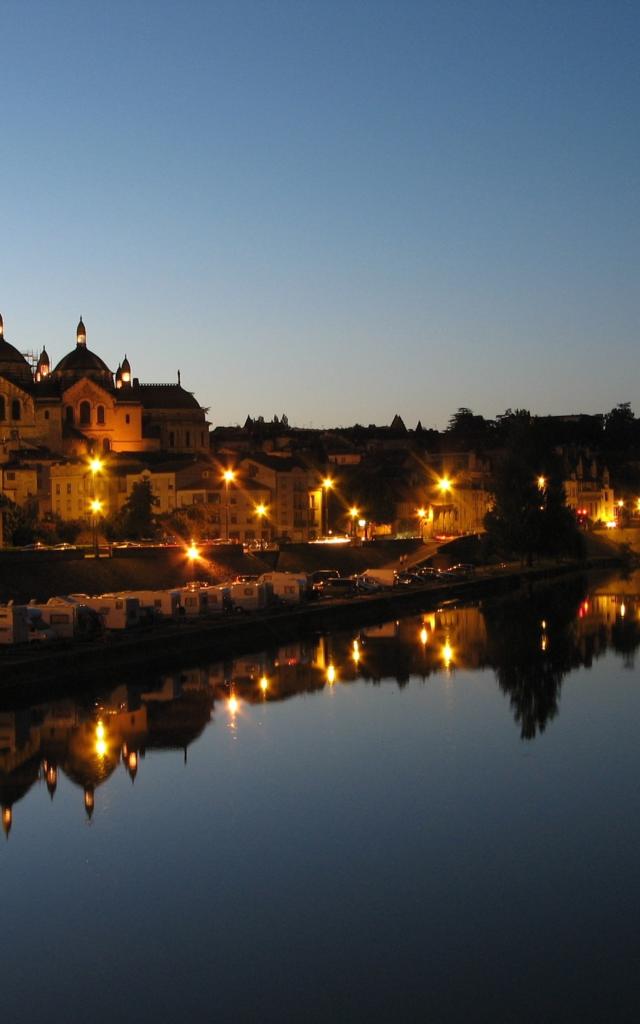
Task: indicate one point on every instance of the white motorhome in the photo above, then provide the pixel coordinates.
(249, 596)
(383, 577)
(289, 587)
(14, 624)
(59, 617)
(164, 604)
(117, 611)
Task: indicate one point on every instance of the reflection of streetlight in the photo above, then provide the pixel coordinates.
(228, 476)
(356, 651)
(327, 484)
(331, 674)
(95, 466)
(447, 654)
(264, 684)
(542, 483)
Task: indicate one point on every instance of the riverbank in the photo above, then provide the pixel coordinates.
(48, 670)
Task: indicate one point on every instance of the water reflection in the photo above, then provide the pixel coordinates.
(531, 641)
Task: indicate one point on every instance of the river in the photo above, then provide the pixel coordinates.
(434, 818)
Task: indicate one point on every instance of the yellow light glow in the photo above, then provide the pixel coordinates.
(543, 643)
(101, 748)
(447, 654)
(354, 512)
(95, 465)
(7, 817)
(621, 503)
(362, 523)
(542, 483)
(331, 675)
(327, 483)
(233, 704)
(444, 484)
(193, 552)
(261, 510)
(96, 506)
(100, 730)
(228, 475)
(623, 610)
(424, 636)
(356, 652)
(544, 623)
(264, 684)
(133, 761)
(422, 512)
(611, 524)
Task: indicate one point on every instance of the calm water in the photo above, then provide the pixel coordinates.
(435, 819)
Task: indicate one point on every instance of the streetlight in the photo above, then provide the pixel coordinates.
(96, 509)
(228, 476)
(193, 554)
(261, 511)
(327, 484)
(354, 513)
(542, 483)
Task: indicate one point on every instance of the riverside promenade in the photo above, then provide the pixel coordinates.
(62, 667)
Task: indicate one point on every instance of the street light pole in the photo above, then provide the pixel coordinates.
(327, 484)
(227, 476)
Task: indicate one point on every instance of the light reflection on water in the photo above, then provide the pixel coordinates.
(393, 794)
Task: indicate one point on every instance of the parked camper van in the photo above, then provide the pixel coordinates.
(116, 610)
(162, 604)
(14, 624)
(248, 596)
(288, 587)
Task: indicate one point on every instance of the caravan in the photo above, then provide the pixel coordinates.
(14, 624)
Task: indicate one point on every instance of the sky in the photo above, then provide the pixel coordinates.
(333, 210)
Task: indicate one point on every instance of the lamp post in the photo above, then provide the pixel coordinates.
(261, 511)
(327, 485)
(228, 476)
(354, 514)
(96, 508)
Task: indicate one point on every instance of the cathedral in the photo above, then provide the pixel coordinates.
(79, 406)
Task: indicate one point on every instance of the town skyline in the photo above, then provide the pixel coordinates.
(400, 203)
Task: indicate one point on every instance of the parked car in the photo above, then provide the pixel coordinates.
(463, 569)
(407, 579)
(338, 587)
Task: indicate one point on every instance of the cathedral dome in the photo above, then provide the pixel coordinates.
(12, 363)
(81, 362)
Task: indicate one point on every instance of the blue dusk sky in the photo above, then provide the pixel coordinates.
(337, 210)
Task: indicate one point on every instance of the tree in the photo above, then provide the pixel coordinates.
(135, 519)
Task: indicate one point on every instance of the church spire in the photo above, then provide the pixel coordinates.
(81, 334)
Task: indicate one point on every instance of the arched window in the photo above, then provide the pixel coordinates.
(85, 414)
(69, 414)
(3, 408)
(100, 417)
(106, 445)
(16, 411)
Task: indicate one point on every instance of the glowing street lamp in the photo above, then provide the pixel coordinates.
(354, 514)
(228, 476)
(444, 485)
(327, 485)
(542, 483)
(96, 508)
(193, 554)
(261, 512)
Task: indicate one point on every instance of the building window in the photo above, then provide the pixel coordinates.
(106, 444)
(57, 488)
(172, 439)
(68, 488)
(187, 439)
(10, 476)
(15, 409)
(127, 418)
(85, 414)
(69, 414)
(3, 410)
(100, 416)
(46, 414)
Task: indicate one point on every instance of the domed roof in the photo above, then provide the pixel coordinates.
(81, 362)
(12, 363)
